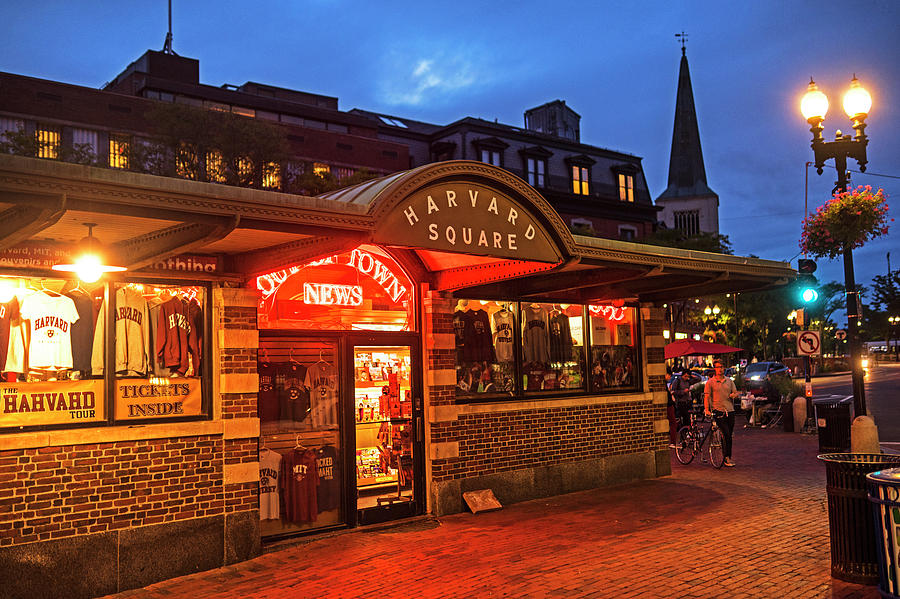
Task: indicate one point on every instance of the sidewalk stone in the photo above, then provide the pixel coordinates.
(757, 530)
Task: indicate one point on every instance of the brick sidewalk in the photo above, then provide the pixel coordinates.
(757, 530)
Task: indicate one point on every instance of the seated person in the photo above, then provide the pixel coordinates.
(771, 398)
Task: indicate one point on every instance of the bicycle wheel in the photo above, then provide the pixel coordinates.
(684, 448)
(717, 448)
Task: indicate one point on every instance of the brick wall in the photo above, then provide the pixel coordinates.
(54, 492)
(513, 440)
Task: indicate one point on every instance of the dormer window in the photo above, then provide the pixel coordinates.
(580, 172)
(535, 163)
(490, 150)
(624, 175)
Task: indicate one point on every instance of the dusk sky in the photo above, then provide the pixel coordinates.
(615, 63)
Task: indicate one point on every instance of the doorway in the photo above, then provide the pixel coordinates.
(388, 435)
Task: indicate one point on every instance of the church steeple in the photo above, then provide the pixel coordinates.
(687, 203)
(687, 175)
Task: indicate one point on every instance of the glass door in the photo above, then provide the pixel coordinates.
(388, 438)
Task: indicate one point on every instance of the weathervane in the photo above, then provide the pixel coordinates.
(682, 37)
(167, 46)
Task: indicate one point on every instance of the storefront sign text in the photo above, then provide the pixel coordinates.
(323, 294)
(468, 218)
(153, 398)
(51, 402)
(613, 313)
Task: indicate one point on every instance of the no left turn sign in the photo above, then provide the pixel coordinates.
(808, 343)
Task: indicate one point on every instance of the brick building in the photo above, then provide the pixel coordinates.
(282, 364)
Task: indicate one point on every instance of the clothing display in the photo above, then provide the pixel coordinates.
(320, 379)
(9, 318)
(478, 341)
(293, 396)
(177, 340)
(459, 333)
(299, 485)
(329, 494)
(560, 338)
(504, 323)
(50, 320)
(268, 397)
(535, 339)
(269, 488)
(82, 332)
(132, 331)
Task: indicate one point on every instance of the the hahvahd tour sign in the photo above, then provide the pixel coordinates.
(467, 218)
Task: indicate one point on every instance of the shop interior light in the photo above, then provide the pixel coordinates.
(89, 265)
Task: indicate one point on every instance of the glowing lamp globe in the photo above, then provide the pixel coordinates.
(814, 104)
(857, 100)
(89, 266)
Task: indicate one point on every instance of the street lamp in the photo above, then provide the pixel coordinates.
(894, 321)
(857, 103)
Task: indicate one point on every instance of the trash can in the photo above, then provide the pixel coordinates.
(850, 523)
(787, 416)
(833, 419)
(884, 493)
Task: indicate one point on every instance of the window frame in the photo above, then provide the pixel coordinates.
(109, 375)
(537, 176)
(519, 393)
(581, 179)
(120, 157)
(48, 148)
(626, 187)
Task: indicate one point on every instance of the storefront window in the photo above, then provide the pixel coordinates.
(158, 350)
(300, 447)
(552, 347)
(46, 336)
(507, 348)
(613, 350)
(364, 289)
(485, 346)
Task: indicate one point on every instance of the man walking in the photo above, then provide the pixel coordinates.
(717, 396)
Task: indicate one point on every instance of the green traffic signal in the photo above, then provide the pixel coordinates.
(809, 295)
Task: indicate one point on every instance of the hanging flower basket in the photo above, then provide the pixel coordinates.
(846, 221)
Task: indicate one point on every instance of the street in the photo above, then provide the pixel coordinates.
(882, 396)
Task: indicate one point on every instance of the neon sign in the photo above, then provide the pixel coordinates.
(362, 261)
(325, 294)
(611, 313)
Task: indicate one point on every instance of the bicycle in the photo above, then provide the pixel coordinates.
(692, 437)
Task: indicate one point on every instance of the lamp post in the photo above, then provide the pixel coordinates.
(857, 103)
(893, 321)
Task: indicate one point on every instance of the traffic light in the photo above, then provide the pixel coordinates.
(805, 266)
(809, 293)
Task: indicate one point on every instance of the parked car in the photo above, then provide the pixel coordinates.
(758, 373)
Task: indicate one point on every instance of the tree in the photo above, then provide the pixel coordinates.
(677, 238)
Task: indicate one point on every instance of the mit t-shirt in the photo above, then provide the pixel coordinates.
(299, 484)
(51, 321)
(269, 475)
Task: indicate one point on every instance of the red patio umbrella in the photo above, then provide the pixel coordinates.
(689, 347)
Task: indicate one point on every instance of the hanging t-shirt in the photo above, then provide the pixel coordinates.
(268, 399)
(132, 334)
(51, 321)
(294, 394)
(299, 483)
(9, 314)
(176, 339)
(156, 367)
(503, 335)
(459, 333)
(329, 495)
(82, 332)
(479, 345)
(322, 396)
(269, 475)
(534, 337)
(560, 338)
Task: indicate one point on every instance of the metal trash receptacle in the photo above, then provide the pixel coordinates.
(833, 418)
(787, 416)
(850, 524)
(884, 494)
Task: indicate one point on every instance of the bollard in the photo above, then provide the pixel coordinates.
(864, 436)
(799, 413)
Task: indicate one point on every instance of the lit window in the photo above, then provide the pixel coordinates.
(119, 146)
(244, 169)
(536, 169)
(626, 187)
(216, 106)
(321, 169)
(215, 167)
(490, 157)
(580, 177)
(48, 142)
(186, 165)
(243, 111)
(271, 176)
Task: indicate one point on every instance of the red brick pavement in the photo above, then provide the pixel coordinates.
(757, 530)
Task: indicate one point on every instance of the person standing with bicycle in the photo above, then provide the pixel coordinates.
(717, 400)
